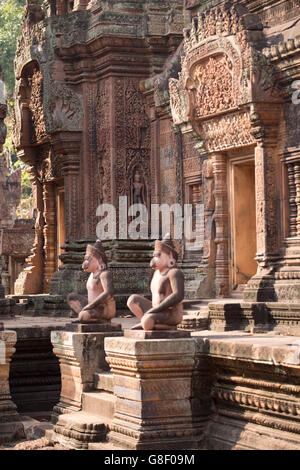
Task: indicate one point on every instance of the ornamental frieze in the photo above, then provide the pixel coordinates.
(228, 131)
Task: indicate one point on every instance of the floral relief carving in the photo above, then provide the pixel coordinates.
(232, 130)
(36, 106)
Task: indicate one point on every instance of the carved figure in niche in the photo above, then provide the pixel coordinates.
(100, 306)
(138, 189)
(165, 310)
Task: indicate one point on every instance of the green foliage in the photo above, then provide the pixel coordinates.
(10, 20)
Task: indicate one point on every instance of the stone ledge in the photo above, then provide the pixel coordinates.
(264, 348)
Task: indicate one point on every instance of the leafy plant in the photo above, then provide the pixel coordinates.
(10, 20)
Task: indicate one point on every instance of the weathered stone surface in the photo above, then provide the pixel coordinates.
(92, 328)
(156, 334)
(153, 386)
(11, 427)
(34, 370)
(254, 390)
(80, 356)
(280, 317)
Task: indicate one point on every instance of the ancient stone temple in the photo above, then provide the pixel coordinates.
(16, 235)
(195, 103)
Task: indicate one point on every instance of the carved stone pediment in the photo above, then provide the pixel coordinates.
(224, 74)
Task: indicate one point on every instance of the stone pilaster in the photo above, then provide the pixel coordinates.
(221, 219)
(80, 356)
(49, 234)
(153, 389)
(10, 426)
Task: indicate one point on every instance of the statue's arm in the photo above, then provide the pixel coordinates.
(177, 285)
(108, 290)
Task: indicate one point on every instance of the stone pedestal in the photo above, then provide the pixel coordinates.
(254, 390)
(80, 354)
(10, 426)
(153, 389)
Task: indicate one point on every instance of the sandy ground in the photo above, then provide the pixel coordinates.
(37, 444)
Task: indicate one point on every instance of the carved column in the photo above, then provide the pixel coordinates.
(292, 201)
(49, 234)
(71, 176)
(261, 221)
(221, 219)
(68, 144)
(30, 280)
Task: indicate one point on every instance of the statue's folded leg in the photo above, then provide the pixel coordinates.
(77, 302)
(167, 320)
(92, 316)
(138, 305)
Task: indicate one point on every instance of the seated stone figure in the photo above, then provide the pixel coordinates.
(167, 287)
(100, 305)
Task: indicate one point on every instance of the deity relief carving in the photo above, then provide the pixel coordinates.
(138, 189)
(213, 84)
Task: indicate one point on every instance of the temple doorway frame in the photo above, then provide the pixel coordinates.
(242, 219)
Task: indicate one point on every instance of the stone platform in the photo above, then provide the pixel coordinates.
(92, 327)
(81, 354)
(153, 387)
(209, 390)
(156, 334)
(236, 314)
(255, 390)
(34, 373)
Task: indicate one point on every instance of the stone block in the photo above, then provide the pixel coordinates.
(93, 327)
(80, 356)
(156, 334)
(11, 427)
(153, 386)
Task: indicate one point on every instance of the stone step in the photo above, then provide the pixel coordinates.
(77, 430)
(199, 312)
(104, 381)
(100, 404)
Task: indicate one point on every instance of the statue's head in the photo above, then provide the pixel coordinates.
(95, 259)
(137, 177)
(165, 256)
